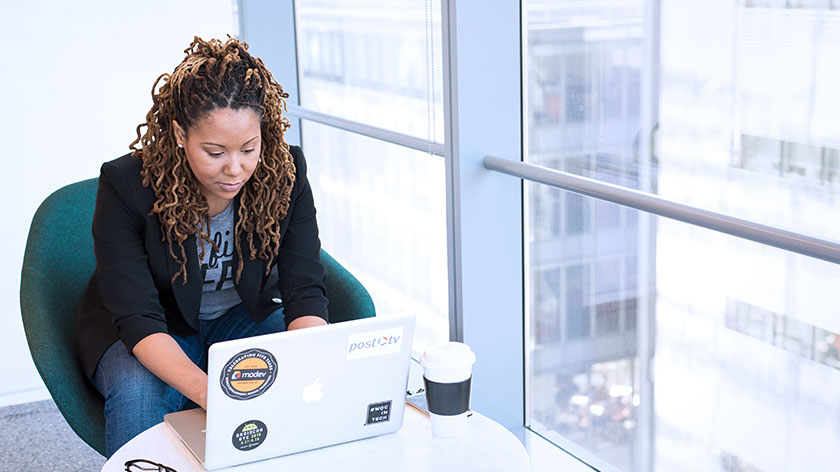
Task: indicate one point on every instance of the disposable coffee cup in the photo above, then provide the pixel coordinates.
(447, 374)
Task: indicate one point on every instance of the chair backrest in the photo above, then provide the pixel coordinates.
(57, 265)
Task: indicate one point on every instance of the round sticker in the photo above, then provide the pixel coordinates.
(249, 374)
(249, 435)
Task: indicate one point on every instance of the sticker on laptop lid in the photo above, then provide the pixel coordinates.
(249, 374)
(249, 435)
(374, 343)
(378, 412)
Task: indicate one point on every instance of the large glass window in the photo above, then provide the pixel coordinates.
(738, 110)
(381, 206)
(734, 365)
(373, 61)
(655, 345)
(382, 214)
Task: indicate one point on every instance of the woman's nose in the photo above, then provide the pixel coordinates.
(234, 165)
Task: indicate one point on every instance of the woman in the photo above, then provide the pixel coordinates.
(205, 232)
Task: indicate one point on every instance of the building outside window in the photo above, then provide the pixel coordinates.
(741, 346)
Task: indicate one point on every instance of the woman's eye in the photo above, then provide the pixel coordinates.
(248, 151)
(216, 154)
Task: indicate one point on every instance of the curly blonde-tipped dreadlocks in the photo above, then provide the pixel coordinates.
(216, 75)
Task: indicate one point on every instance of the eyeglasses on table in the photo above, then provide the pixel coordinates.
(143, 465)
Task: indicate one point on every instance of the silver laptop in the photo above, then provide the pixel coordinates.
(282, 393)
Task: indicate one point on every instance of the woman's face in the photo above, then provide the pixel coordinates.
(222, 149)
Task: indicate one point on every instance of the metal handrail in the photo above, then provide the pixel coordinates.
(374, 132)
(770, 235)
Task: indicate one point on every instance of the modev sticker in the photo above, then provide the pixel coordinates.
(249, 374)
(249, 435)
(374, 343)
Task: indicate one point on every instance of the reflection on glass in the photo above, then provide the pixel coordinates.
(584, 80)
(655, 345)
(742, 105)
(382, 215)
(742, 344)
(748, 122)
(377, 62)
(584, 378)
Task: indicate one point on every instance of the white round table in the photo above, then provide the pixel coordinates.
(486, 447)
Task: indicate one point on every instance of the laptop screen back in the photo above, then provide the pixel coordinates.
(289, 392)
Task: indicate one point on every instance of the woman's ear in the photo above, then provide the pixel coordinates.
(180, 134)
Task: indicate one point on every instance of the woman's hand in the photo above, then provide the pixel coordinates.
(307, 321)
(163, 356)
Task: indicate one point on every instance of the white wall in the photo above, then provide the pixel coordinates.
(75, 80)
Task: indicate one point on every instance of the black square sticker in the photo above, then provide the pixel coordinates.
(378, 412)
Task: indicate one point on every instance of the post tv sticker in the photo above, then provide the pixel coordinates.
(249, 435)
(374, 343)
(249, 374)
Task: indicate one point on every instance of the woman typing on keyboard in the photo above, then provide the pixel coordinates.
(205, 232)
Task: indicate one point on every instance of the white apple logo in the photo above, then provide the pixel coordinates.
(312, 392)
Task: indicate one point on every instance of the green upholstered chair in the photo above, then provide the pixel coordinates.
(57, 265)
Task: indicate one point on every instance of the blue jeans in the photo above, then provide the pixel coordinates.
(136, 399)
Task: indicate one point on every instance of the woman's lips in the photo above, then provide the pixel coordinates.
(230, 187)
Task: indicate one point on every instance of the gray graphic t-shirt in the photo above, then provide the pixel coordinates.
(218, 293)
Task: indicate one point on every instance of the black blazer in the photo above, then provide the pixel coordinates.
(130, 294)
